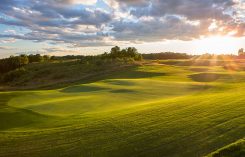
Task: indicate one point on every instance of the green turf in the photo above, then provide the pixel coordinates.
(151, 110)
(236, 149)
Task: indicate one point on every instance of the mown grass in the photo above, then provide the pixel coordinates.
(151, 110)
(236, 149)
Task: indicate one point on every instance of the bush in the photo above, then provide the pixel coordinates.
(128, 60)
(99, 62)
(12, 75)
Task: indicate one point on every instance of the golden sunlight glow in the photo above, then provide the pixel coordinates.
(214, 40)
(224, 44)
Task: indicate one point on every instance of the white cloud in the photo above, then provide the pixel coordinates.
(10, 31)
(83, 2)
(6, 48)
(77, 24)
(10, 40)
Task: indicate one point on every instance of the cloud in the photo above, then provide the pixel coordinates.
(82, 23)
(58, 51)
(192, 9)
(6, 48)
(56, 21)
(127, 3)
(229, 15)
(10, 40)
(74, 2)
(166, 28)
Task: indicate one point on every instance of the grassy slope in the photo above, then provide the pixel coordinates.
(236, 149)
(50, 75)
(150, 110)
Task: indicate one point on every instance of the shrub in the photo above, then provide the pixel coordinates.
(12, 75)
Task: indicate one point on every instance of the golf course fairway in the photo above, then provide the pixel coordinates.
(150, 110)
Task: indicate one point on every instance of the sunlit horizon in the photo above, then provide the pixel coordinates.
(212, 45)
(93, 27)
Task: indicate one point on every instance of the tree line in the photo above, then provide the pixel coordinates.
(241, 53)
(166, 55)
(15, 62)
(116, 55)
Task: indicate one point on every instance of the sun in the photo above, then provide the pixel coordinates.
(218, 44)
(217, 41)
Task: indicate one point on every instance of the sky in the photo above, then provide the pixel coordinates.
(87, 27)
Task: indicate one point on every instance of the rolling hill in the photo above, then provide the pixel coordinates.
(145, 110)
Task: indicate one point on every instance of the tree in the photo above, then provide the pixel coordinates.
(24, 59)
(39, 58)
(115, 52)
(35, 58)
(11, 63)
(116, 55)
(241, 52)
(46, 57)
(130, 52)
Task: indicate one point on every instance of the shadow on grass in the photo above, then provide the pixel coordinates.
(125, 73)
(133, 74)
(199, 69)
(123, 91)
(81, 88)
(11, 117)
(206, 77)
(178, 62)
(119, 82)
